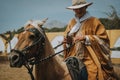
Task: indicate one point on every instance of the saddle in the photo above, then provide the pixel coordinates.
(76, 68)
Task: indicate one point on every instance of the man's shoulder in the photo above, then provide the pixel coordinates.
(93, 19)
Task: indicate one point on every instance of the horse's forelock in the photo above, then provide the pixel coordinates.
(36, 24)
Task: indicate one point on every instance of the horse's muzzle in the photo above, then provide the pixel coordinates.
(15, 60)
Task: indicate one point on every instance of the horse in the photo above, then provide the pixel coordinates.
(34, 45)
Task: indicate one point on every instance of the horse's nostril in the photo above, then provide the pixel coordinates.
(15, 57)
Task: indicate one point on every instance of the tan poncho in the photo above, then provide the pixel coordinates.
(99, 40)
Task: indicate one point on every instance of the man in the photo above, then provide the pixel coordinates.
(91, 42)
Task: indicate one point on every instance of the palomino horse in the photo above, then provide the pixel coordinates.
(33, 44)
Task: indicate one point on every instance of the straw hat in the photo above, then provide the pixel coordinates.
(76, 4)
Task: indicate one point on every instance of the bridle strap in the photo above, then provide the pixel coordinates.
(30, 69)
(29, 47)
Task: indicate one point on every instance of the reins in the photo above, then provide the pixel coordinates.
(58, 45)
(52, 55)
(33, 62)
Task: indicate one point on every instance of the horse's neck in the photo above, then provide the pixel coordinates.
(50, 69)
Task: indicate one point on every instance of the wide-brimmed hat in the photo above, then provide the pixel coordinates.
(76, 4)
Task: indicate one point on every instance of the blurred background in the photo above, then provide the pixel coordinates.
(15, 13)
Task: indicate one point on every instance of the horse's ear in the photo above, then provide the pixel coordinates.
(44, 20)
(41, 23)
(28, 23)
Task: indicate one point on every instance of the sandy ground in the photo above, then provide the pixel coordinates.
(8, 73)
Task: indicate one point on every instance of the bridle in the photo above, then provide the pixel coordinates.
(29, 63)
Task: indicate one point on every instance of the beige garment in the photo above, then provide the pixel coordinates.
(91, 68)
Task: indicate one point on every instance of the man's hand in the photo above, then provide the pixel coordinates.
(68, 40)
(80, 37)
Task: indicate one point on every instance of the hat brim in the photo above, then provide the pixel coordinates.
(79, 6)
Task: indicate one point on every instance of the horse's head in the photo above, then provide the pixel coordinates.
(30, 43)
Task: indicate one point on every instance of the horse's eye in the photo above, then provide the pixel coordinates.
(32, 37)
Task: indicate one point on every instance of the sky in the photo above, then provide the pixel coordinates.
(15, 13)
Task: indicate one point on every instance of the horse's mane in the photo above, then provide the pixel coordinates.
(46, 67)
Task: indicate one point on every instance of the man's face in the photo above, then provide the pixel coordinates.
(80, 12)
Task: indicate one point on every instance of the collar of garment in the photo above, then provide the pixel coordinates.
(77, 26)
(86, 16)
